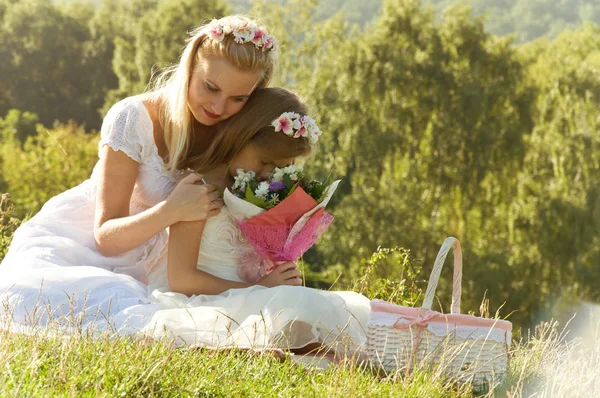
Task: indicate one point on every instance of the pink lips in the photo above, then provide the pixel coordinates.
(210, 115)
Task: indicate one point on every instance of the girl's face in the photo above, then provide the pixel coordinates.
(218, 90)
(252, 158)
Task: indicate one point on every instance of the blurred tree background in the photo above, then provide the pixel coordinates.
(472, 119)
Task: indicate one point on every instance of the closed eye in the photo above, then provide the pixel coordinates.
(211, 88)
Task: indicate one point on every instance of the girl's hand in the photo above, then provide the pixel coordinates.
(192, 200)
(285, 274)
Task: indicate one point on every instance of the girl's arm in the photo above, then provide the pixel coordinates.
(184, 277)
(115, 231)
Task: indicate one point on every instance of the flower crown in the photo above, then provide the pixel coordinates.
(295, 125)
(244, 31)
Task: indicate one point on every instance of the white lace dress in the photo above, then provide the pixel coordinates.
(53, 267)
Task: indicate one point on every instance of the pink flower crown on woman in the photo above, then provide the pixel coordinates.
(295, 125)
(244, 31)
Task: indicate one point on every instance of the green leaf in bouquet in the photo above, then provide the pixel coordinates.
(316, 189)
(288, 182)
(255, 200)
(292, 189)
(253, 184)
(322, 197)
(326, 188)
(326, 185)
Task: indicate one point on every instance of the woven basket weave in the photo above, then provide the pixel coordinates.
(463, 347)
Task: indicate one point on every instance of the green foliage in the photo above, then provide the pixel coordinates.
(444, 129)
(530, 19)
(419, 117)
(19, 124)
(316, 189)
(46, 66)
(101, 51)
(376, 273)
(252, 198)
(526, 20)
(46, 164)
(354, 11)
(8, 223)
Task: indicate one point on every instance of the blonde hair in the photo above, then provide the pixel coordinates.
(252, 125)
(171, 86)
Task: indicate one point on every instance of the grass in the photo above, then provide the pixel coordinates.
(546, 365)
(81, 366)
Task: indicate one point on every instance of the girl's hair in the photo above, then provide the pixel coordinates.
(253, 125)
(171, 86)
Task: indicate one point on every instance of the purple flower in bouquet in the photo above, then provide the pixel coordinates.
(277, 186)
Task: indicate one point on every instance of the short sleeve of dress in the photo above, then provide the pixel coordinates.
(122, 129)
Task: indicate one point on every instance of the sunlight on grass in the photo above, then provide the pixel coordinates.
(548, 365)
(81, 366)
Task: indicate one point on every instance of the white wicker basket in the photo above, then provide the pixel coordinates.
(463, 347)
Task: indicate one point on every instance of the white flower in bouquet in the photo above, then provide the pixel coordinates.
(242, 179)
(263, 190)
(277, 175)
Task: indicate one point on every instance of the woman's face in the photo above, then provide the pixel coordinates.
(218, 90)
(252, 158)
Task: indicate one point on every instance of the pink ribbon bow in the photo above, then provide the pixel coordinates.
(421, 322)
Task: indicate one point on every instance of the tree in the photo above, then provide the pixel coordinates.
(426, 123)
(530, 19)
(44, 69)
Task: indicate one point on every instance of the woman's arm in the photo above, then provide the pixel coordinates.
(115, 231)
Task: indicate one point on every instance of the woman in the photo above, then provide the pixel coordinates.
(114, 223)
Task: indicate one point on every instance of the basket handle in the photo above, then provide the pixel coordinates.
(437, 270)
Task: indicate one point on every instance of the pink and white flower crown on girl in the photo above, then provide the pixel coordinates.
(295, 125)
(244, 31)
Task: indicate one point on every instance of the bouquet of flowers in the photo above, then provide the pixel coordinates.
(282, 217)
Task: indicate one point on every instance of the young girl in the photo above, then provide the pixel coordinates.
(204, 257)
(105, 235)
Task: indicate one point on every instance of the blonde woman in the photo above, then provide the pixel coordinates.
(115, 222)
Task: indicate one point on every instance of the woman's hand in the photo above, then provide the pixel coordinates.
(192, 200)
(284, 274)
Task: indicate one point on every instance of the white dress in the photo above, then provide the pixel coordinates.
(54, 272)
(56, 251)
(254, 317)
